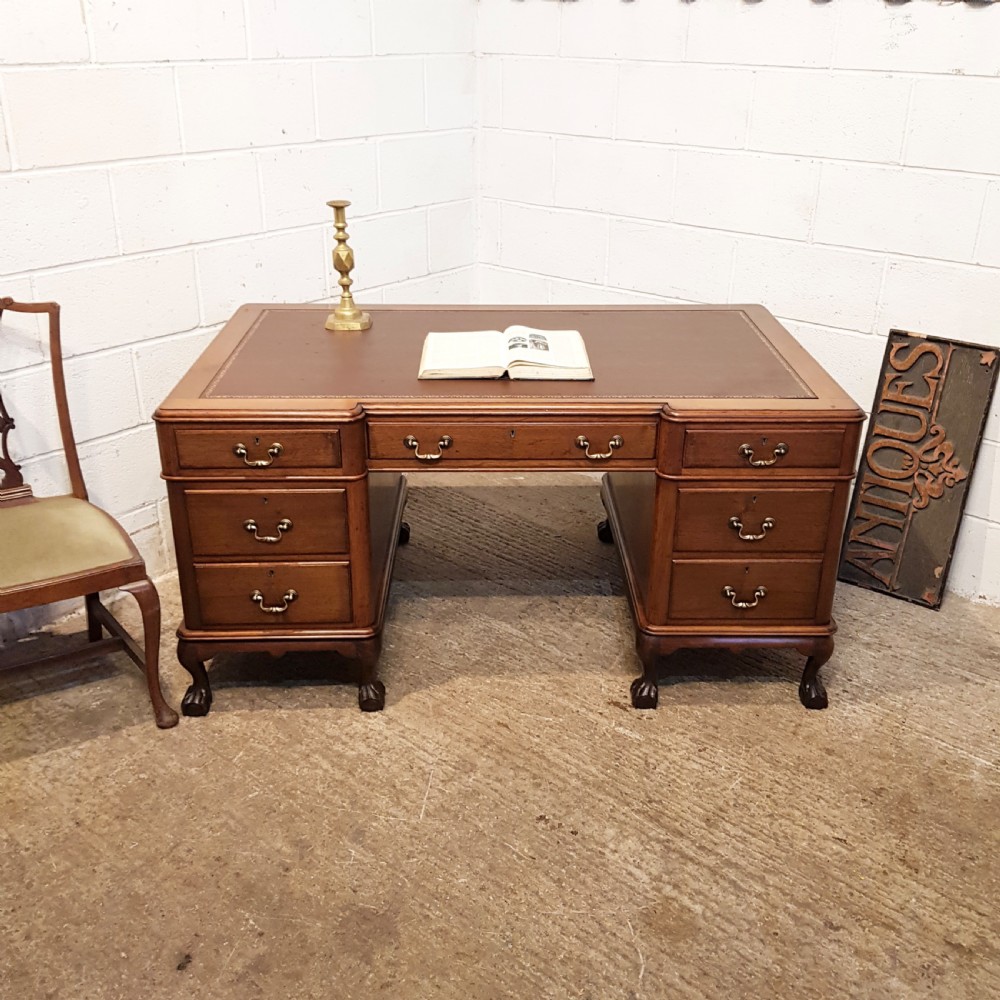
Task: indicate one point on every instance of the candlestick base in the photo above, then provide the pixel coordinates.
(362, 321)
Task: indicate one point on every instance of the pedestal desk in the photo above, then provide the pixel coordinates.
(728, 454)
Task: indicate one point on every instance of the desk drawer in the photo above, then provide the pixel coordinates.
(772, 589)
(261, 450)
(583, 443)
(297, 594)
(763, 449)
(267, 524)
(753, 519)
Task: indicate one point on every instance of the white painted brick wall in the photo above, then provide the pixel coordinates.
(631, 179)
(786, 115)
(152, 32)
(116, 302)
(837, 162)
(292, 177)
(54, 218)
(161, 164)
(235, 105)
(988, 249)
(48, 31)
(676, 103)
(82, 115)
(516, 166)
(305, 28)
(567, 96)
(168, 203)
(4, 149)
(915, 212)
(746, 192)
(364, 97)
(674, 261)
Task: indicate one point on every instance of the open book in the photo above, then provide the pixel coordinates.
(518, 351)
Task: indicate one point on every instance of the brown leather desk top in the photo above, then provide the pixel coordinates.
(280, 358)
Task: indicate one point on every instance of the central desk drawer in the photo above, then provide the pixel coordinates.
(274, 595)
(580, 442)
(267, 524)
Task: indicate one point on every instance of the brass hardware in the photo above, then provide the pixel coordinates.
(743, 605)
(747, 452)
(737, 525)
(616, 442)
(283, 525)
(273, 609)
(347, 316)
(411, 442)
(240, 451)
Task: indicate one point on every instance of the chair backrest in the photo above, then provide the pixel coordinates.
(12, 485)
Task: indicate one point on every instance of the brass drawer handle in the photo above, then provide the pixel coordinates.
(274, 609)
(747, 452)
(616, 442)
(240, 451)
(411, 442)
(743, 605)
(737, 525)
(283, 525)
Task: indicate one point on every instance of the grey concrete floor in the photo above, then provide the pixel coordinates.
(509, 827)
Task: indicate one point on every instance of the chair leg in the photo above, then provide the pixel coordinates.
(93, 625)
(149, 604)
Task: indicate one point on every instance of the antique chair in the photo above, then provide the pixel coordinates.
(56, 548)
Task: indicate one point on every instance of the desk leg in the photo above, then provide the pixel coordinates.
(371, 691)
(645, 689)
(198, 697)
(812, 694)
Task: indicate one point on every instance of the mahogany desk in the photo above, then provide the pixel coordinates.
(729, 455)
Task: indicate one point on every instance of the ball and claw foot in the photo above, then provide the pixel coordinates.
(197, 700)
(812, 694)
(371, 697)
(604, 532)
(404, 532)
(645, 693)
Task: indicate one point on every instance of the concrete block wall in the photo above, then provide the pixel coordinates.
(836, 162)
(161, 164)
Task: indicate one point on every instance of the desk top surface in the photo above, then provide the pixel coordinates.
(281, 358)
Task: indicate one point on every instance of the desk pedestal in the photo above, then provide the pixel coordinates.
(685, 593)
(383, 499)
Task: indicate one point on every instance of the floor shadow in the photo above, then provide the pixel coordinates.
(506, 540)
(21, 677)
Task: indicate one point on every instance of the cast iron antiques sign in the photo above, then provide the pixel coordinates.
(914, 470)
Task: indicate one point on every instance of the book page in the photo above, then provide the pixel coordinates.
(452, 353)
(527, 347)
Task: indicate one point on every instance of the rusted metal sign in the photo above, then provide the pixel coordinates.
(916, 465)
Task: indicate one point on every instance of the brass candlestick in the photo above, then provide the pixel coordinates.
(347, 316)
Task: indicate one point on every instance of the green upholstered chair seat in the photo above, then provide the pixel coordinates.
(57, 537)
